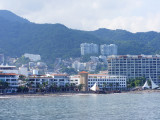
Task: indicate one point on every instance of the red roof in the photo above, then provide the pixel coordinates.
(83, 72)
(8, 74)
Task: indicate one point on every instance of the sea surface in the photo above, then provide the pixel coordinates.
(122, 106)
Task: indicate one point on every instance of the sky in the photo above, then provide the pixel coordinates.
(131, 15)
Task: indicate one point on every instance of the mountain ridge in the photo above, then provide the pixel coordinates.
(19, 36)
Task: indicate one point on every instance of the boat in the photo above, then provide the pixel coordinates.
(153, 85)
(95, 87)
(145, 86)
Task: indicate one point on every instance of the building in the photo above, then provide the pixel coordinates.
(134, 66)
(50, 79)
(79, 66)
(33, 57)
(108, 49)
(9, 69)
(106, 81)
(74, 79)
(23, 71)
(103, 80)
(89, 48)
(103, 58)
(84, 80)
(11, 79)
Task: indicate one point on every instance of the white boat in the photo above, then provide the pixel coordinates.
(95, 87)
(145, 85)
(154, 86)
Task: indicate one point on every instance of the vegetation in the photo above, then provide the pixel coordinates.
(69, 71)
(22, 60)
(18, 36)
(139, 81)
(3, 85)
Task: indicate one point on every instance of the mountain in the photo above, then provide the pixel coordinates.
(19, 36)
(9, 16)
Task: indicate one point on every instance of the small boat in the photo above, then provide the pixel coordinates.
(95, 87)
(145, 86)
(154, 86)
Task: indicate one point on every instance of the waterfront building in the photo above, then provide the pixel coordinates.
(107, 81)
(50, 79)
(84, 80)
(74, 79)
(133, 66)
(108, 49)
(89, 48)
(11, 79)
(102, 80)
(9, 69)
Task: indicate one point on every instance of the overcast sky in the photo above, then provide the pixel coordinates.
(132, 15)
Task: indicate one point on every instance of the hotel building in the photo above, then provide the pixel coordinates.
(12, 80)
(133, 66)
(103, 80)
(58, 79)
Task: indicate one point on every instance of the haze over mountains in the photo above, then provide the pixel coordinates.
(19, 36)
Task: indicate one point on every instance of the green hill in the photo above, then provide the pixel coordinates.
(19, 36)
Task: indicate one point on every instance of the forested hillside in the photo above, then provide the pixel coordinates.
(19, 36)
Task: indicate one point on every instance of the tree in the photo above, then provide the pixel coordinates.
(80, 86)
(110, 85)
(117, 85)
(4, 85)
(104, 85)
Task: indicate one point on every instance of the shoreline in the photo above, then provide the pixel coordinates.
(25, 95)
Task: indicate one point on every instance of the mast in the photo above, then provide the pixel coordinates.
(94, 87)
(145, 85)
(154, 86)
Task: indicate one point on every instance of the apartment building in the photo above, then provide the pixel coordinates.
(89, 48)
(133, 66)
(58, 79)
(108, 49)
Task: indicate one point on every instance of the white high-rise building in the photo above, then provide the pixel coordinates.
(108, 49)
(133, 66)
(89, 48)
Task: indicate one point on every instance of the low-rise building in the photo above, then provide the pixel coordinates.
(50, 79)
(103, 81)
(12, 80)
(9, 69)
(106, 81)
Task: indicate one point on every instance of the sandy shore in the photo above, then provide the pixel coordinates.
(45, 94)
(69, 94)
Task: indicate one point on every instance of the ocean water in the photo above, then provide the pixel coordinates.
(123, 106)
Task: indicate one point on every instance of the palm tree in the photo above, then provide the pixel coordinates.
(45, 86)
(67, 86)
(104, 86)
(73, 86)
(117, 85)
(110, 85)
(80, 86)
(4, 85)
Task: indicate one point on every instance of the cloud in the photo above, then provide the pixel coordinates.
(135, 16)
